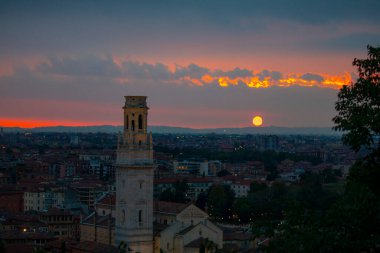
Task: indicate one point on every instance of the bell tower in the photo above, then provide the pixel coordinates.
(134, 179)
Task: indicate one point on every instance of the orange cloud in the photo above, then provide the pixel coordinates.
(333, 82)
(207, 79)
(337, 81)
(225, 81)
(125, 71)
(256, 83)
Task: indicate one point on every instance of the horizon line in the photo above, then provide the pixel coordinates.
(195, 128)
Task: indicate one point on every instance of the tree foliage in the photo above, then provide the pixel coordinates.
(349, 225)
(358, 106)
(321, 222)
(178, 193)
(201, 201)
(220, 201)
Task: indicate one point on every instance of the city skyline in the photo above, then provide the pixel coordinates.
(202, 64)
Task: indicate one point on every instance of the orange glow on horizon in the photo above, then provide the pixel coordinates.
(32, 123)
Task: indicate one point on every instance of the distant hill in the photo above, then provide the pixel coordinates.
(182, 130)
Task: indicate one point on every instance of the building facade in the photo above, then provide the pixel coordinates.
(181, 228)
(134, 179)
(43, 198)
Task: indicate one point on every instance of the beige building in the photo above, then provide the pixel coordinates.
(99, 229)
(100, 225)
(41, 198)
(183, 228)
(106, 205)
(134, 179)
(178, 227)
(61, 223)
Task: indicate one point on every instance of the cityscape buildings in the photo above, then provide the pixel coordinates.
(55, 192)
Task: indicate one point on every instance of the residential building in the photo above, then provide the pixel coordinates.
(61, 223)
(40, 198)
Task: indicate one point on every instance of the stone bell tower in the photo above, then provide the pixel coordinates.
(134, 179)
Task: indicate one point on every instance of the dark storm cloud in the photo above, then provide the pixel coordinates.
(104, 67)
(275, 75)
(348, 42)
(212, 10)
(47, 26)
(141, 70)
(312, 77)
(237, 72)
(83, 66)
(192, 71)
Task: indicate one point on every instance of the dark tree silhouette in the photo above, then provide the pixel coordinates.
(358, 106)
(320, 223)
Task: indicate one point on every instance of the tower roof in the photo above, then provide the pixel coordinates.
(135, 102)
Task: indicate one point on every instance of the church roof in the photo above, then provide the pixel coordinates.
(101, 221)
(109, 199)
(184, 231)
(169, 207)
(196, 243)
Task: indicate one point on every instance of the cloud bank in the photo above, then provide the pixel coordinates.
(90, 90)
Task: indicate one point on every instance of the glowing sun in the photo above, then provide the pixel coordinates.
(257, 121)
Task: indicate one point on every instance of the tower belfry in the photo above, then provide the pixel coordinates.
(134, 179)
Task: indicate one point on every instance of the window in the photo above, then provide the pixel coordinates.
(123, 216)
(140, 122)
(140, 217)
(141, 184)
(133, 125)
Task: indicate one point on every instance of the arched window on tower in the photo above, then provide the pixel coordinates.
(140, 122)
(140, 217)
(133, 125)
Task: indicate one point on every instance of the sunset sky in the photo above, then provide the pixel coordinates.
(201, 63)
